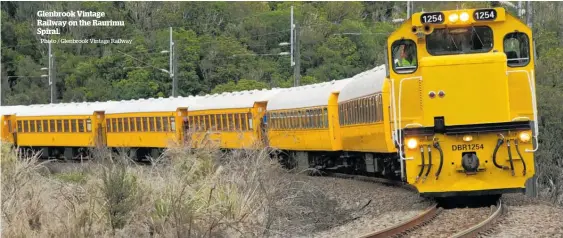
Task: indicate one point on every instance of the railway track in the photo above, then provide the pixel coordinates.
(428, 215)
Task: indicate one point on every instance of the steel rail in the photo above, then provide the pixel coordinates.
(412, 223)
(483, 225)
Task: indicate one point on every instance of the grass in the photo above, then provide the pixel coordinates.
(184, 193)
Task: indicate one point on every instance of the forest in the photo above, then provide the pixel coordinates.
(231, 46)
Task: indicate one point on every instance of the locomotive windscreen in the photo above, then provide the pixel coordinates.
(448, 41)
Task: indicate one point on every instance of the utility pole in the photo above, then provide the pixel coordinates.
(297, 67)
(529, 13)
(291, 29)
(172, 70)
(520, 9)
(51, 76)
(408, 9)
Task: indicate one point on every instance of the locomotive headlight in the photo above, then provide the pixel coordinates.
(453, 17)
(412, 143)
(524, 136)
(467, 138)
(464, 17)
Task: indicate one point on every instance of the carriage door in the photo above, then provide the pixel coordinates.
(183, 124)
(99, 128)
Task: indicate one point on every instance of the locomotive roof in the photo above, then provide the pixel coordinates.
(242, 99)
(306, 96)
(169, 104)
(363, 84)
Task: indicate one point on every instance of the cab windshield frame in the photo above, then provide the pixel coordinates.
(482, 39)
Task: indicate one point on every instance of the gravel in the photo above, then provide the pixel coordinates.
(527, 217)
(452, 221)
(373, 206)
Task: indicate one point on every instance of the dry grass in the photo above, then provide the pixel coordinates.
(184, 193)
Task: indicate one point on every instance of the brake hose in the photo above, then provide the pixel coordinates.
(521, 158)
(499, 143)
(510, 157)
(429, 162)
(437, 146)
(421, 168)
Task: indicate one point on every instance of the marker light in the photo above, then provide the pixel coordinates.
(464, 17)
(467, 138)
(412, 143)
(454, 17)
(524, 136)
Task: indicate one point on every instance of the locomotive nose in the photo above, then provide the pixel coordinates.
(470, 162)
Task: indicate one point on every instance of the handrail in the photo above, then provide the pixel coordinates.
(397, 136)
(531, 81)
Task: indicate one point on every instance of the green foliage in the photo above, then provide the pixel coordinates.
(120, 194)
(72, 177)
(243, 84)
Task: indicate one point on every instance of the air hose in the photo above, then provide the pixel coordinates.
(499, 143)
(510, 157)
(429, 162)
(521, 158)
(437, 146)
(421, 168)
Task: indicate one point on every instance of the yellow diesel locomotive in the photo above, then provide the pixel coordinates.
(452, 112)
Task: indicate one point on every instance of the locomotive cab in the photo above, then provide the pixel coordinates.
(463, 102)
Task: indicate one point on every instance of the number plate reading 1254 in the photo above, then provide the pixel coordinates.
(467, 147)
(485, 15)
(432, 17)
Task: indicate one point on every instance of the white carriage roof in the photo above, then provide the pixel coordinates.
(306, 96)
(65, 109)
(363, 84)
(151, 105)
(242, 99)
(9, 110)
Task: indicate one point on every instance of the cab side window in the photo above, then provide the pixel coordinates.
(517, 49)
(404, 56)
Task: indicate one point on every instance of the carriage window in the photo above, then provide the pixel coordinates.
(80, 125)
(67, 128)
(113, 125)
(52, 126)
(138, 125)
(73, 125)
(59, 125)
(158, 124)
(126, 124)
(464, 40)
(45, 126)
(151, 123)
(132, 124)
(249, 116)
(172, 124)
(145, 126)
(243, 122)
(25, 126)
(404, 56)
(19, 126)
(165, 123)
(32, 126)
(517, 49)
(88, 125)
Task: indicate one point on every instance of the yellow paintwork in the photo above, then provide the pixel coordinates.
(297, 136)
(58, 137)
(8, 128)
(237, 136)
(370, 137)
(158, 138)
(479, 88)
(452, 178)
